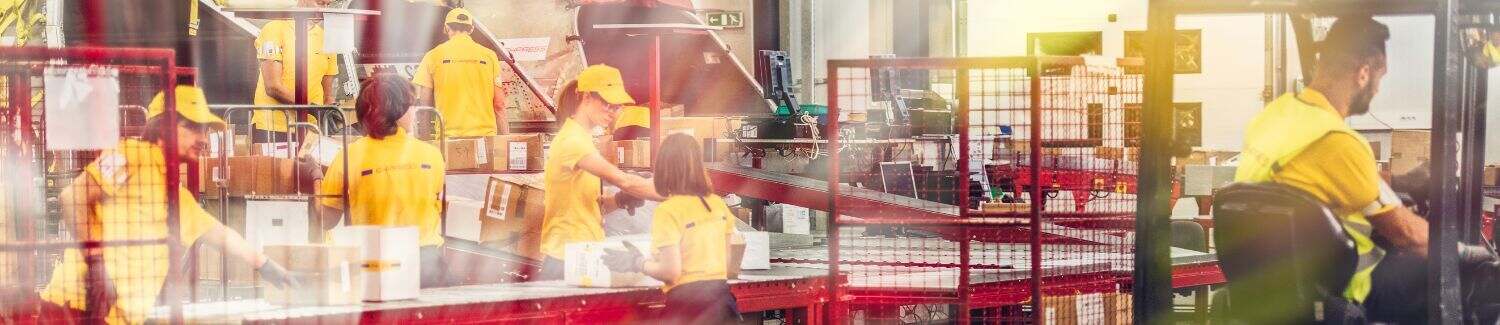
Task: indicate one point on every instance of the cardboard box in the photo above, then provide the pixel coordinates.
(1111, 153)
(1074, 309)
(1205, 157)
(794, 219)
(1203, 180)
(583, 265)
(389, 260)
(1409, 149)
(757, 250)
(1491, 175)
(321, 149)
(511, 220)
(250, 175)
(463, 218)
(698, 127)
(465, 153)
(633, 153)
(1117, 308)
(276, 222)
(326, 273)
(516, 152)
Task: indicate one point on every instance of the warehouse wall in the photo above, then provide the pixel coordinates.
(741, 41)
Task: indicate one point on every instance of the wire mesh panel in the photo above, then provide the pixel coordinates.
(90, 218)
(1019, 184)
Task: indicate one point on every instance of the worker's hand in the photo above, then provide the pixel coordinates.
(277, 276)
(1476, 254)
(309, 172)
(627, 260)
(628, 202)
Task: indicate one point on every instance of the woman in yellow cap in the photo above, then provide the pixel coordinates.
(121, 196)
(574, 204)
(394, 179)
(694, 248)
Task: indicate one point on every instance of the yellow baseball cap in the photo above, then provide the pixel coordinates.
(605, 81)
(191, 105)
(459, 16)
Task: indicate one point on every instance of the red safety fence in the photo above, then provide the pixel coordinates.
(125, 194)
(1010, 198)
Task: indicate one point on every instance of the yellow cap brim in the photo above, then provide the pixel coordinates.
(205, 118)
(616, 95)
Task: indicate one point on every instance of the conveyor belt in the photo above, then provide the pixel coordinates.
(492, 297)
(864, 203)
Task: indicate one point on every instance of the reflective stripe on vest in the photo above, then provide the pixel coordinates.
(1283, 130)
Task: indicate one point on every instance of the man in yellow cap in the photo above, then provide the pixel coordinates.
(121, 196)
(278, 80)
(462, 79)
(574, 172)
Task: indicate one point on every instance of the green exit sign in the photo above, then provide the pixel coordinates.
(726, 19)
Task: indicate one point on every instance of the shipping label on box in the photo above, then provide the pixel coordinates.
(389, 260)
(322, 149)
(584, 266)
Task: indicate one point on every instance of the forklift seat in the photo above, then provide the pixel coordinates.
(1285, 255)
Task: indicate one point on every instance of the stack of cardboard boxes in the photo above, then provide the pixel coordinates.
(1094, 308)
(510, 152)
(1409, 149)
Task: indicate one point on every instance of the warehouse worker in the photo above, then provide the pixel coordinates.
(693, 246)
(120, 197)
(574, 205)
(275, 48)
(1301, 140)
(394, 179)
(463, 78)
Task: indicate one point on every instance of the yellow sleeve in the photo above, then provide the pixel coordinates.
(332, 187)
(1343, 170)
(665, 230)
(423, 76)
(333, 65)
(192, 220)
(270, 45)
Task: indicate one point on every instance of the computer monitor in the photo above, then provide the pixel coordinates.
(896, 177)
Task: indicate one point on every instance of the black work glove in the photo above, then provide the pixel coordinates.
(628, 202)
(627, 260)
(277, 276)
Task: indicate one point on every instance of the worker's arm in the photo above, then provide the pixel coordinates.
(424, 95)
(331, 206)
(328, 98)
(270, 76)
(77, 201)
(1403, 229)
(232, 244)
(501, 124)
(665, 265)
(636, 186)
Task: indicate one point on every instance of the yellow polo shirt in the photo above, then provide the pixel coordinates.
(275, 43)
(462, 75)
(571, 211)
(1337, 169)
(132, 178)
(395, 181)
(701, 233)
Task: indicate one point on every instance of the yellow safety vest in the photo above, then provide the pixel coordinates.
(1283, 130)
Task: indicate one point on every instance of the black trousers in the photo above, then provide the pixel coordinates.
(701, 302)
(1399, 290)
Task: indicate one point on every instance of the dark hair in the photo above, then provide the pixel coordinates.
(1353, 42)
(679, 168)
(383, 99)
(457, 27)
